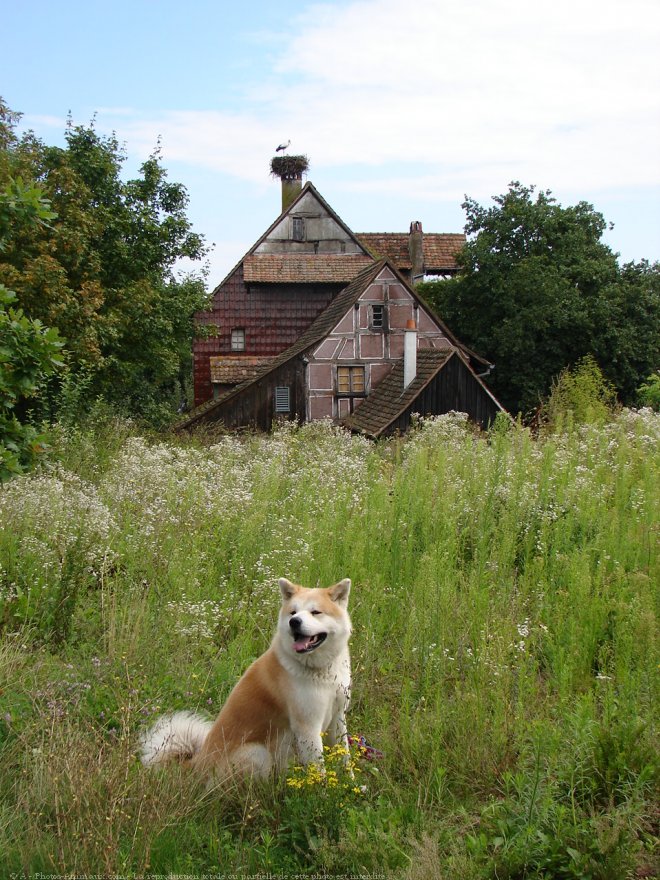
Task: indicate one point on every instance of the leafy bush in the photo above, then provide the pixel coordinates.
(649, 392)
(580, 394)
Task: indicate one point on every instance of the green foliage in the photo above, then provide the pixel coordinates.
(579, 394)
(29, 352)
(648, 392)
(538, 289)
(104, 272)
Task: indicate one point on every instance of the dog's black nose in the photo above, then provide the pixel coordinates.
(295, 622)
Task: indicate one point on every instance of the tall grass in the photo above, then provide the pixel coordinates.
(504, 648)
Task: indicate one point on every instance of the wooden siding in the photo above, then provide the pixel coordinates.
(454, 388)
(255, 406)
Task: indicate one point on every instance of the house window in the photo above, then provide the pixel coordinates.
(238, 339)
(350, 380)
(298, 232)
(377, 317)
(282, 399)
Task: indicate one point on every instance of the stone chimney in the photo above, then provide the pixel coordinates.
(290, 170)
(409, 353)
(416, 251)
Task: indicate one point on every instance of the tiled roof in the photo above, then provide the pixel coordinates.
(303, 268)
(389, 399)
(232, 370)
(439, 248)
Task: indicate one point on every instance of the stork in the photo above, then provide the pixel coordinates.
(283, 146)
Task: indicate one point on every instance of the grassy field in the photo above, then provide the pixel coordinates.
(505, 594)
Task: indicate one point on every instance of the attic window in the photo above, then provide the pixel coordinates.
(298, 230)
(282, 399)
(350, 380)
(377, 317)
(238, 339)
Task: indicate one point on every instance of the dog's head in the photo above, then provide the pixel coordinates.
(314, 621)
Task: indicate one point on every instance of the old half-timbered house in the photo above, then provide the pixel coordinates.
(312, 322)
(375, 342)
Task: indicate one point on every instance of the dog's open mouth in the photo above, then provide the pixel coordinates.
(305, 644)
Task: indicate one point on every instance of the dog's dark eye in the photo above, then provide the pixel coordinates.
(315, 612)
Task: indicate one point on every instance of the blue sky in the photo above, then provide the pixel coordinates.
(402, 107)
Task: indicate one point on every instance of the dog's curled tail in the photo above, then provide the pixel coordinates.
(174, 737)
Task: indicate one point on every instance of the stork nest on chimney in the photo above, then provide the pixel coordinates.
(289, 167)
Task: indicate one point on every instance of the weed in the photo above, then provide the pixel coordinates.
(504, 649)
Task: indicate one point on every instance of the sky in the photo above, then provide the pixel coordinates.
(403, 107)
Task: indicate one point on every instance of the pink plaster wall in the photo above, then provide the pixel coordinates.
(320, 377)
(372, 345)
(321, 407)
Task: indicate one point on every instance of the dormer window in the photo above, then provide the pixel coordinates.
(238, 339)
(298, 229)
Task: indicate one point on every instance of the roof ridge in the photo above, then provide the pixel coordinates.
(308, 186)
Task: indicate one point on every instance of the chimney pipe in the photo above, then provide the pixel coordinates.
(409, 353)
(416, 251)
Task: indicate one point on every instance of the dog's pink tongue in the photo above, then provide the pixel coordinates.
(302, 643)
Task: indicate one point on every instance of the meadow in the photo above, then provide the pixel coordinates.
(504, 602)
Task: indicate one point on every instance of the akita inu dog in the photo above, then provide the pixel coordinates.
(284, 702)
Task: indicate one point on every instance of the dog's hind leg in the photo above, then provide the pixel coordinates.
(251, 760)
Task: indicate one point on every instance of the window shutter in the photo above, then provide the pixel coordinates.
(282, 399)
(298, 229)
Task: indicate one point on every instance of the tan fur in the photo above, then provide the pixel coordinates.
(283, 702)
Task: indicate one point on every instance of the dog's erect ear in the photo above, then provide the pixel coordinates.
(287, 589)
(339, 593)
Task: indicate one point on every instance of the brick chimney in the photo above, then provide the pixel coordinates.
(416, 251)
(409, 353)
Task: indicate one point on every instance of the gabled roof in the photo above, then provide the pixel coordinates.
(303, 268)
(390, 399)
(307, 188)
(440, 248)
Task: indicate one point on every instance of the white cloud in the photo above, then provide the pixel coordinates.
(558, 92)
(431, 99)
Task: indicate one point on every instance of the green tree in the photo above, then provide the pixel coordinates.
(29, 352)
(105, 273)
(648, 392)
(538, 290)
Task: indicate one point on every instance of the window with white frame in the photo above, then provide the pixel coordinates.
(238, 339)
(377, 317)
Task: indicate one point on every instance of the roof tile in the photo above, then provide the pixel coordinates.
(303, 268)
(232, 370)
(440, 248)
